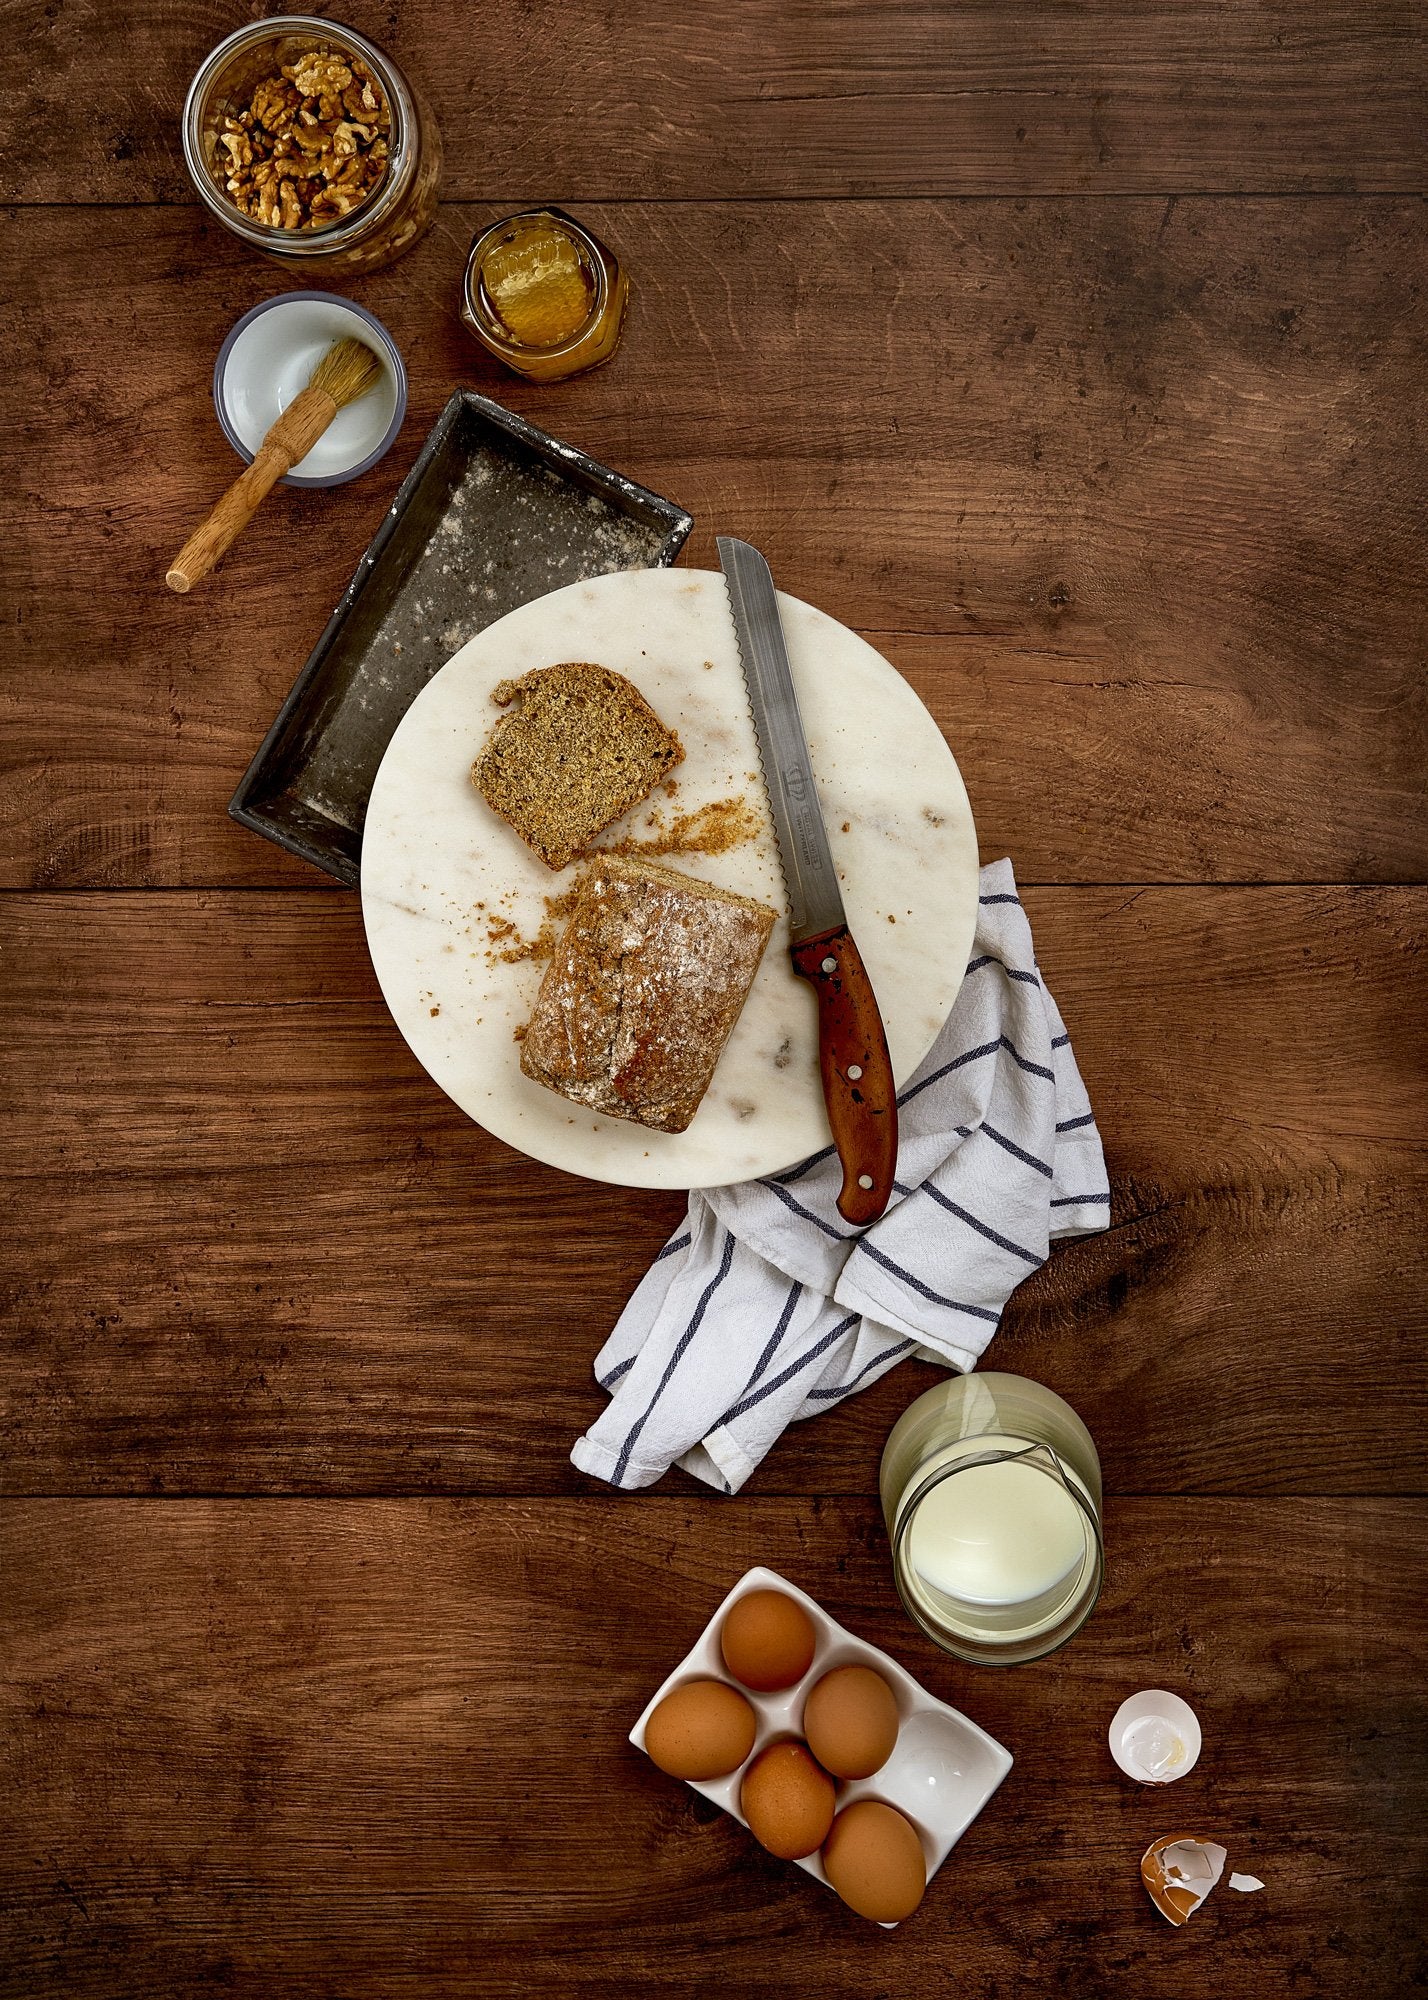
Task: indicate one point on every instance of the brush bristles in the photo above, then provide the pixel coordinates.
(346, 372)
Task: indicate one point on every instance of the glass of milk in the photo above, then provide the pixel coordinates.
(991, 1491)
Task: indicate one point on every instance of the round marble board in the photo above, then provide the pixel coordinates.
(438, 866)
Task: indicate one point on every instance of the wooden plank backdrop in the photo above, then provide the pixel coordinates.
(1075, 355)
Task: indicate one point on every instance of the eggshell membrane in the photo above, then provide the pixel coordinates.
(787, 1800)
(874, 1860)
(767, 1641)
(704, 1729)
(850, 1720)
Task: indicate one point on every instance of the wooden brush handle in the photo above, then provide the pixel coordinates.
(289, 441)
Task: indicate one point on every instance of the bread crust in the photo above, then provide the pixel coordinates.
(643, 992)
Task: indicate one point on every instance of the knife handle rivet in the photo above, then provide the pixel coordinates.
(830, 965)
(854, 1072)
(865, 1180)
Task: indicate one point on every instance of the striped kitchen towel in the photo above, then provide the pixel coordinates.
(766, 1307)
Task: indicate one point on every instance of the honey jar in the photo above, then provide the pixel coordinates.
(544, 295)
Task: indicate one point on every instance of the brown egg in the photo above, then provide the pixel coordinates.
(874, 1860)
(787, 1801)
(767, 1640)
(701, 1730)
(850, 1720)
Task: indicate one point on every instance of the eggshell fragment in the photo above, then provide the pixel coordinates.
(787, 1800)
(1155, 1737)
(704, 1729)
(1246, 1884)
(767, 1640)
(1179, 1871)
(850, 1720)
(874, 1860)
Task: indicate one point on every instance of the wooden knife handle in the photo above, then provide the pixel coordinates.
(857, 1073)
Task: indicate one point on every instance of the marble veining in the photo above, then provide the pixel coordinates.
(898, 822)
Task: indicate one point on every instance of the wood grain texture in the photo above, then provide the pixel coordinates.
(254, 1248)
(1075, 353)
(1132, 492)
(377, 1749)
(539, 99)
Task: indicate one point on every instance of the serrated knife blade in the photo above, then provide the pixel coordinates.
(814, 898)
(853, 1060)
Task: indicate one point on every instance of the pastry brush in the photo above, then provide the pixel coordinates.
(344, 373)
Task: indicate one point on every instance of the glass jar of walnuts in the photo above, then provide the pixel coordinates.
(310, 144)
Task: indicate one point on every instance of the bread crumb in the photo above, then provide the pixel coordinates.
(711, 829)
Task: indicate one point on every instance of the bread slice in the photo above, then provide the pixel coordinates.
(644, 988)
(579, 748)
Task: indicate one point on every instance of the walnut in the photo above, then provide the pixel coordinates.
(320, 73)
(275, 105)
(311, 144)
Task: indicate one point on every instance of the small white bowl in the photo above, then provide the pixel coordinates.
(269, 357)
(943, 1768)
(1155, 1737)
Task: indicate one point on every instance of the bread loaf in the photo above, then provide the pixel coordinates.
(643, 990)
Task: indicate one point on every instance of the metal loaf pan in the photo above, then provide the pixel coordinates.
(493, 514)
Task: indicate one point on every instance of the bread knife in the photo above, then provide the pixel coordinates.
(853, 1059)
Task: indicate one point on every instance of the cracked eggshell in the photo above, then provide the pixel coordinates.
(1179, 1870)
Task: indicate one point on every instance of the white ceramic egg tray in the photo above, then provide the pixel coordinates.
(943, 1768)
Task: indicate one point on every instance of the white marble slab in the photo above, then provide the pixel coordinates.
(898, 822)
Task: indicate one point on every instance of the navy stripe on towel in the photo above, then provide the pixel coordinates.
(977, 1312)
(1010, 1146)
(1075, 1200)
(990, 958)
(964, 1215)
(803, 1167)
(795, 1293)
(838, 1235)
(957, 1062)
(688, 1334)
(793, 1368)
(846, 1388)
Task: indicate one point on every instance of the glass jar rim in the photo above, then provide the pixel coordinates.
(498, 339)
(989, 1655)
(333, 235)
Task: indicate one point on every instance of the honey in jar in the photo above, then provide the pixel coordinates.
(544, 296)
